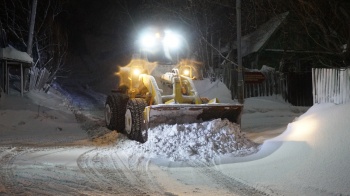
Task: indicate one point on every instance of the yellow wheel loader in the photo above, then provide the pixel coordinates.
(141, 104)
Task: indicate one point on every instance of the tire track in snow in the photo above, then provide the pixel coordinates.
(23, 176)
(6, 157)
(9, 171)
(115, 173)
(102, 171)
(88, 165)
(139, 167)
(7, 176)
(232, 185)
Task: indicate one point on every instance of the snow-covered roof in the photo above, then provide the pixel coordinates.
(253, 42)
(10, 53)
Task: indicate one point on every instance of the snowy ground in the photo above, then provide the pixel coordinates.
(50, 147)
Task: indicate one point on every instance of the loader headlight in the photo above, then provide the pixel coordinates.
(136, 72)
(186, 72)
(148, 41)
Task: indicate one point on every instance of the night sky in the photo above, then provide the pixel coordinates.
(103, 33)
(102, 29)
(101, 37)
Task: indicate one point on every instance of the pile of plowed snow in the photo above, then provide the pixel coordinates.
(213, 89)
(204, 141)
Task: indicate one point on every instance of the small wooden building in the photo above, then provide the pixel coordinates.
(13, 60)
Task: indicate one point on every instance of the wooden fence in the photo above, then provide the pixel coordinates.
(268, 87)
(331, 85)
(295, 87)
(298, 88)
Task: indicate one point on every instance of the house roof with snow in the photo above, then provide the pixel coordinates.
(253, 42)
(10, 53)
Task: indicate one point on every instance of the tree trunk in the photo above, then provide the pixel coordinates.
(31, 28)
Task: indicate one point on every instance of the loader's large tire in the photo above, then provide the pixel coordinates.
(115, 108)
(134, 122)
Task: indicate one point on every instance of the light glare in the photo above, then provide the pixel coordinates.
(186, 72)
(171, 40)
(137, 72)
(147, 41)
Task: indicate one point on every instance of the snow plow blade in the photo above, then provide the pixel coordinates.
(191, 113)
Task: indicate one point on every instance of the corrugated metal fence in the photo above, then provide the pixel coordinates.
(331, 85)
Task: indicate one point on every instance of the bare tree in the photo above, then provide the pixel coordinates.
(49, 41)
(31, 27)
(326, 24)
(318, 27)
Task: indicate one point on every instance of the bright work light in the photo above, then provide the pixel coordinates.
(136, 72)
(148, 41)
(154, 43)
(171, 40)
(186, 72)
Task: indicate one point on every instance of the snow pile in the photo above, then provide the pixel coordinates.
(216, 89)
(204, 141)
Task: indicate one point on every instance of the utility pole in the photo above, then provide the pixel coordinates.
(239, 55)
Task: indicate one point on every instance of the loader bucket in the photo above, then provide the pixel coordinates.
(191, 113)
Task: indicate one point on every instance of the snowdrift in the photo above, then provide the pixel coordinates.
(311, 159)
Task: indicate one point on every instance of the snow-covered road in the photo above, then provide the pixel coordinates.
(49, 147)
(107, 171)
(35, 159)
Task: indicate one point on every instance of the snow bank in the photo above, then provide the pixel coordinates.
(203, 141)
(311, 158)
(38, 119)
